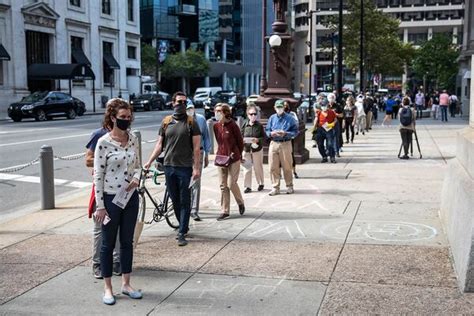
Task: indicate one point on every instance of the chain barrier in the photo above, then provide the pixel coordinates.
(71, 157)
(19, 167)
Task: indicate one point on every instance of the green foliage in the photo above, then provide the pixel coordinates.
(384, 52)
(437, 60)
(148, 59)
(190, 64)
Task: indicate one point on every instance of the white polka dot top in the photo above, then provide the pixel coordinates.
(113, 165)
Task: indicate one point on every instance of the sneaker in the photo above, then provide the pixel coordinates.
(222, 217)
(117, 270)
(325, 159)
(260, 187)
(358, 132)
(290, 190)
(195, 216)
(363, 133)
(242, 209)
(333, 160)
(405, 157)
(352, 142)
(247, 190)
(295, 175)
(182, 241)
(338, 154)
(347, 142)
(178, 234)
(96, 271)
(274, 192)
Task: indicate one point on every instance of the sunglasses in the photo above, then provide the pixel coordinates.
(252, 114)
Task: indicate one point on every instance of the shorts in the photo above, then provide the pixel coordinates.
(388, 112)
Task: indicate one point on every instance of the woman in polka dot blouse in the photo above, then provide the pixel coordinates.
(116, 165)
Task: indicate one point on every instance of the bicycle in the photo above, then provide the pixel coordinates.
(164, 209)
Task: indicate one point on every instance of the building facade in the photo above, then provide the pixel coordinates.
(419, 21)
(104, 35)
(227, 31)
(465, 60)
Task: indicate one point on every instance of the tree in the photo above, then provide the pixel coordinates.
(436, 61)
(188, 65)
(148, 60)
(384, 52)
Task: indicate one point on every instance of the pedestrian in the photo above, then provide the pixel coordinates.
(369, 105)
(325, 124)
(180, 140)
(339, 110)
(97, 230)
(407, 126)
(205, 149)
(289, 112)
(253, 134)
(281, 129)
(361, 122)
(117, 168)
(389, 108)
(443, 105)
(453, 104)
(230, 146)
(435, 105)
(350, 117)
(396, 105)
(419, 104)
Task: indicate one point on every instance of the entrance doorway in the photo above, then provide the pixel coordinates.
(38, 52)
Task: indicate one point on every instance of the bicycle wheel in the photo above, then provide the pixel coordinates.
(172, 218)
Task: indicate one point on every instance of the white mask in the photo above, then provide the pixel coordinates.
(280, 111)
(324, 108)
(218, 116)
(190, 112)
(254, 146)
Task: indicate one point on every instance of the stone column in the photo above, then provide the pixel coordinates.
(252, 83)
(224, 50)
(246, 84)
(224, 81)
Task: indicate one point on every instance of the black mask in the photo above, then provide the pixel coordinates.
(179, 109)
(122, 124)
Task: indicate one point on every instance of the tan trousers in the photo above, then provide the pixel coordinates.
(257, 160)
(369, 120)
(228, 182)
(280, 154)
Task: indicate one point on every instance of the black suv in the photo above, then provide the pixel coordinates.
(148, 102)
(232, 98)
(44, 106)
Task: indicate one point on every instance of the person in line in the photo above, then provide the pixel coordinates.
(253, 134)
(361, 122)
(443, 105)
(389, 107)
(453, 104)
(407, 126)
(204, 157)
(350, 117)
(295, 116)
(230, 146)
(419, 104)
(324, 125)
(97, 230)
(369, 110)
(180, 139)
(339, 110)
(281, 129)
(435, 105)
(117, 167)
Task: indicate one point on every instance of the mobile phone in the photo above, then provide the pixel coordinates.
(106, 220)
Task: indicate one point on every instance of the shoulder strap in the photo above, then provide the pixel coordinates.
(166, 121)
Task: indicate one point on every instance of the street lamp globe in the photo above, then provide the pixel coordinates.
(274, 41)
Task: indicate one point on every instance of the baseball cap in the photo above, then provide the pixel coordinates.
(279, 103)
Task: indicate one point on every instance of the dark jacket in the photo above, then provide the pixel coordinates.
(255, 131)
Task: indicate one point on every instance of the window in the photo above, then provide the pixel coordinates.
(1, 73)
(130, 10)
(107, 71)
(76, 43)
(76, 3)
(131, 52)
(132, 72)
(106, 9)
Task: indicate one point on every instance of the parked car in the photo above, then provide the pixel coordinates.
(235, 101)
(203, 93)
(148, 102)
(44, 106)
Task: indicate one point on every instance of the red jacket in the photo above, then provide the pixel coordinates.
(229, 140)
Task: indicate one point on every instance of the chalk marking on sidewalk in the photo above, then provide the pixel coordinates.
(31, 179)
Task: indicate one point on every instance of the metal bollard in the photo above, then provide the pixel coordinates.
(46, 177)
(210, 127)
(138, 135)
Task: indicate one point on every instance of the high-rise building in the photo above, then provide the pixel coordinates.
(419, 21)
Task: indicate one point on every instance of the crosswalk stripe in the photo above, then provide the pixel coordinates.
(32, 179)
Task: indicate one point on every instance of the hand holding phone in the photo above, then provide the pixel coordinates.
(106, 220)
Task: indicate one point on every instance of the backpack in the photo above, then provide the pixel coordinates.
(406, 117)
(167, 121)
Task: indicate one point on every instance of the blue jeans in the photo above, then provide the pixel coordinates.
(177, 183)
(444, 112)
(330, 138)
(125, 219)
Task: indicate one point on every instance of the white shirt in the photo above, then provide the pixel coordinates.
(360, 108)
(114, 165)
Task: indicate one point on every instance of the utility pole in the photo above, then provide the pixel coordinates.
(263, 77)
(332, 61)
(310, 44)
(339, 52)
(361, 53)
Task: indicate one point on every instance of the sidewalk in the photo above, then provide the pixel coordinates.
(360, 236)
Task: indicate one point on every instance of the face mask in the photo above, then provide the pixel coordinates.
(279, 111)
(190, 112)
(324, 108)
(122, 124)
(218, 116)
(254, 146)
(180, 108)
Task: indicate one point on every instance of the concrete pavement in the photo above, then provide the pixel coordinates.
(360, 236)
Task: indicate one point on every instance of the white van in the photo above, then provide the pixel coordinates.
(204, 93)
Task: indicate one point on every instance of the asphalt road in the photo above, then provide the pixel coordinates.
(20, 143)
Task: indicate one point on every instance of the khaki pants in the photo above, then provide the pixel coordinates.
(257, 160)
(279, 154)
(369, 120)
(196, 190)
(228, 182)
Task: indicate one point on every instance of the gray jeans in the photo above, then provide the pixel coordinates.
(196, 190)
(97, 244)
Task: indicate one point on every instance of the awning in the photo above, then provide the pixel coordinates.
(467, 75)
(60, 71)
(3, 53)
(80, 57)
(110, 61)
